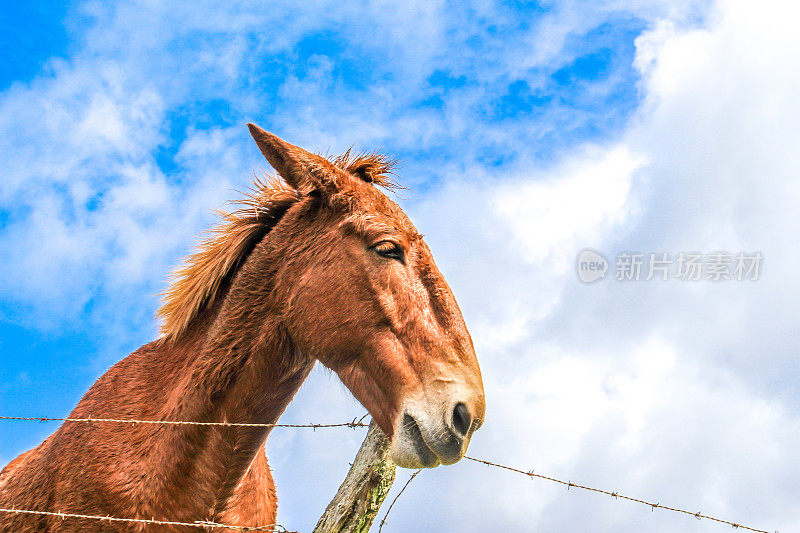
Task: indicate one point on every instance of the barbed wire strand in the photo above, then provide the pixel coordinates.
(198, 524)
(389, 510)
(352, 424)
(653, 506)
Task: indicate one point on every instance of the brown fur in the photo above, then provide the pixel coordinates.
(288, 279)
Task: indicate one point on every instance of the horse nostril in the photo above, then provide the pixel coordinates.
(461, 419)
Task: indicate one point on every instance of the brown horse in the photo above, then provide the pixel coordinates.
(321, 266)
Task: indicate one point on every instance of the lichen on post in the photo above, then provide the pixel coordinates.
(361, 494)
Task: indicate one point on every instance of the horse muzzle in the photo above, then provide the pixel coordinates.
(425, 438)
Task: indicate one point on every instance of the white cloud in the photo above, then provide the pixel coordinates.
(575, 204)
(684, 394)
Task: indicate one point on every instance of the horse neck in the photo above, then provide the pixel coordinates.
(240, 372)
(242, 367)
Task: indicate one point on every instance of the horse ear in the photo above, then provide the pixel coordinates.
(302, 170)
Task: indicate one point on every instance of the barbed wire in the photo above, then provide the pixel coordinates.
(355, 423)
(199, 524)
(352, 424)
(389, 510)
(653, 506)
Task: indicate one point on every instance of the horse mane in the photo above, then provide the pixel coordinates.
(196, 284)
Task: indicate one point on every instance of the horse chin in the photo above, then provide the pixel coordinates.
(409, 449)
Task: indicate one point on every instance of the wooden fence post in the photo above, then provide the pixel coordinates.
(361, 494)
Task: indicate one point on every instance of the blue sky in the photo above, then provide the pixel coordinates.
(526, 132)
(586, 94)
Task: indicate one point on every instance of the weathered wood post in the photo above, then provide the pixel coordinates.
(361, 494)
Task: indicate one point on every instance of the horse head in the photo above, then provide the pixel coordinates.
(360, 293)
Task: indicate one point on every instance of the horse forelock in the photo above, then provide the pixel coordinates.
(371, 167)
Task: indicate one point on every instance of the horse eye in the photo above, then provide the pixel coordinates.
(389, 250)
